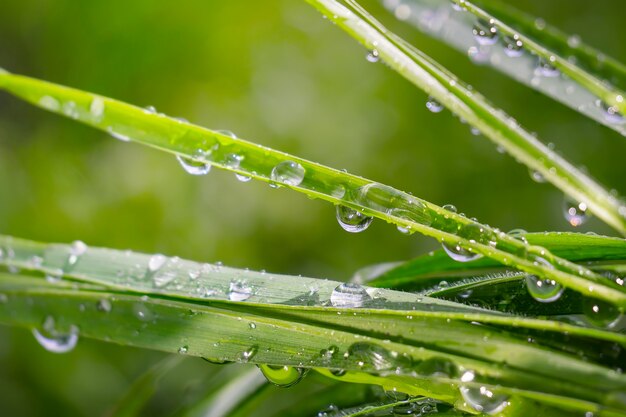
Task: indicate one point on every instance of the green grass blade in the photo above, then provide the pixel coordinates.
(503, 130)
(317, 181)
(567, 82)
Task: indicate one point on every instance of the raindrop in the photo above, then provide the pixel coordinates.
(474, 131)
(351, 220)
(611, 113)
(485, 33)
(449, 207)
(96, 108)
(482, 398)
(601, 313)
(54, 341)
(77, 249)
(49, 103)
(193, 167)
(460, 254)
(288, 172)
(248, 354)
(142, 312)
(513, 46)
(104, 305)
(118, 135)
(544, 290)
(150, 109)
(536, 176)
(156, 262)
(283, 376)
(227, 133)
(433, 105)
(372, 56)
(349, 295)
(239, 291)
(183, 349)
(546, 69)
(575, 213)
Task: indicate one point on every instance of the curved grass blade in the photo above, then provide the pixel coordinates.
(448, 90)
(510, 49)
(208, 147)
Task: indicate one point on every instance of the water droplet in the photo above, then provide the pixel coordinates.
(54, 341)
(372, 56)
(77, 249)
(611, 113)
(485, 33)
(49, 103)
(248, 354)
(283, 376)
(371, 356)
(349, 295)
(156, 262)
(474, 131)
(536, 176)
(458, 253)
(332, 409)
(193, 167)
(288, 172)
(482, 398)
(239, 291)
(545, 68)
(545, 290)
(513, 46)
(104, 305)
(252, 325)
(433, 105)
(575, 213)
(438, 367)
(183, 349)
(96, 108)
(449, 207)
(351, 220)
(142, 312)
(601, 313)
(118, 135)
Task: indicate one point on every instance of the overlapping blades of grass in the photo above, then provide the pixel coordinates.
(375, 336)
(448, 90)
(204, 147)
(513, 43)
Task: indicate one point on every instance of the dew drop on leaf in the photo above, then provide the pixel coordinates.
(193, 167)
(53, 340)
(544, 290)
(349, 295)
(481, 398)
(156, 262)
(485, 33)
(351, 220)
(546, 69)
(288, 172)
(372, 56)
(283, 376)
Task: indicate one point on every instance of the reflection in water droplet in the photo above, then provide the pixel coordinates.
(104, 305)
(438, 367)
(371, 356)
(513, 46)
(611, 113)
(546, 69)
(433, 105)
(283, 376)
(485, 33)
(288, 172)
(49, 103)
(193, 167)
(54, 341)
(460, 254)
(351, 220)
(601, 313)
(239, 291)
(349, 295)
(183, 349)
(545, 290)
(482, 398)
(575, 213)
(77, 250)
(372, 56)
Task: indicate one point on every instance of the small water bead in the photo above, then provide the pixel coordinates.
(183, 350)
(49, 103)
(77, 250)
(575, 213)
(156, 262)
(96, 108)
(371, 356)
(513, 46)
(482, 398)
(611, 113)
(475, 131)
(104, 305)
(117, 135)
(485, 33)
(438, 367)
(349, 295)
(288, 172)
(351, 220)
(239, 291)
(458, 253)
(54, 341)
(372, 56)
(248, 354)
(283, 376)
(544, 290)
(193, 167)
(142, 312)
(545, 68)
(433, 105)
(601, 313)
(70, 110)
(536, 176)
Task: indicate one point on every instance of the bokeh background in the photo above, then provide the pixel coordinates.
(276, 73)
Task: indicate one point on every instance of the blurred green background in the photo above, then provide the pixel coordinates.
(276, 73)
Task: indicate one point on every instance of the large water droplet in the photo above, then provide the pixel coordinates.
(349, 295)
(545, 290)
(371, 356)
(96, 108)
(49, 103)
(283, 376)
(288, 172)
(485, 33)
(433, 105)
(513, 46)
(601, 313)
(351, 220)
(193, 167)
(482, 398)
(536, 176)
(458, 253)
(575, 213)
(54, 341)
(104, 305)
(239, 291)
